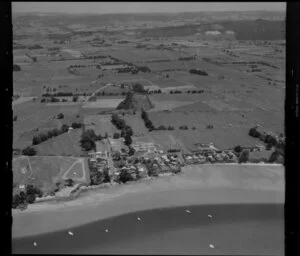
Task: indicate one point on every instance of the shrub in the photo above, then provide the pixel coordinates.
(69, 182)
(64, 128)
(128, 140)
(244, 156)
(30, 198)
(88, 139)
(238, 149)
(60, 116)
(29, 151)
(16, 67)
(131, 151)
(254, 133)
(16, 201)
(116, 135)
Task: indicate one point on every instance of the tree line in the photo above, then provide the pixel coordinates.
(126, 130)
(54, 132)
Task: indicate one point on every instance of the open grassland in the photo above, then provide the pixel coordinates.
(186, 140)
(35, 117)
(21, 100)
(136, 123)
(101, 124)
(103, 103)
(66, 144)
(44, 172)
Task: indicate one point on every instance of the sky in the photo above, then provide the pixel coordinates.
(143, 7)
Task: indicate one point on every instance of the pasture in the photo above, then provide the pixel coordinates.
(66, 144)
(101, 124)
(103, 103)
(44, 171)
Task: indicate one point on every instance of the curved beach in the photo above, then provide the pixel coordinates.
(245, 203)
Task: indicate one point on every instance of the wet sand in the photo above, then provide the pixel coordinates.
(248, 200)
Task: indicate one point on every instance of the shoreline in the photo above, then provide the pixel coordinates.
(208, 184)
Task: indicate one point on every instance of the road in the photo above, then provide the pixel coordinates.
(94, 93)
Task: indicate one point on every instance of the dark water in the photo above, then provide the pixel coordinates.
(233, 229)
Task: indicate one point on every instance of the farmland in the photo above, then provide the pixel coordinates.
(66, 144)
(200, 78)
(44, 172)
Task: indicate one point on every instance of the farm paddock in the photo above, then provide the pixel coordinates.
(45, 171)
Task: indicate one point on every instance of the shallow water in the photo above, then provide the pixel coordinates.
(233, 229)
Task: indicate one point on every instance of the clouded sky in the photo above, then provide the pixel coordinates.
(140, 7)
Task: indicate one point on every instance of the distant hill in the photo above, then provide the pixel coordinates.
(135, 102)
(244, 29)
(96, 19)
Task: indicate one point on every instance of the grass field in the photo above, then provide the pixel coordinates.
(103, 103)
(101, 124)
(66, 144)
(35, 115)
(136, 123)
(44, 172)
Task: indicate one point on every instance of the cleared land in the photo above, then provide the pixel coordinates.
(103, 103)
(44, 172)
(66, 144)
(101, 124)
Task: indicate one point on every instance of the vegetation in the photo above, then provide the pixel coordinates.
(28, 151)
(27, 197)
(127, 103)
(88, 139)
(60, 116)
(238, 149)
(147, 121)
(16, 67)
(244, 156)
(69, 182)
(138, 88)
(198, 72)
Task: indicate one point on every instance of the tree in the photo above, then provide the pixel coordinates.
(238, 149)
(64, 128)
(131, 151)
(125, 176)
(16, 201)
(116, 135)
(15, 118)
(274, 156)
(30, 198)
(69, 182)
(60, 116)
(36, 140)
(244, 156)
(254, 133)
(75, 98)
(16, 67)
(28, 151)
(88, 139)
(22, 197)
(128, 140)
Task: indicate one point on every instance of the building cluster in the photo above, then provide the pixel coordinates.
(148, 160)
(208, 153)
